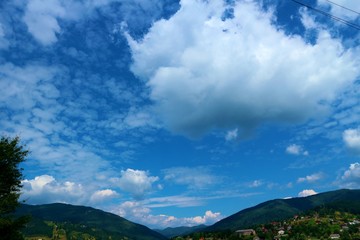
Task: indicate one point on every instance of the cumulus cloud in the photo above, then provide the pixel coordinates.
(136, 182)
(307, 192)
(351, 138)
(46, 189)
(238, 72)
(351, 177)
(197, 177)
(137, 212)
(102, 195)
(311, 178)
(295, 149)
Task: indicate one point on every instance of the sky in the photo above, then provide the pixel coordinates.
(179, 113)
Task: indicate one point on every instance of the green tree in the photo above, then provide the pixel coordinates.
(11, 155)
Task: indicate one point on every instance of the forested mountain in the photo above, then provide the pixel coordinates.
(279, 209)
(79, 222)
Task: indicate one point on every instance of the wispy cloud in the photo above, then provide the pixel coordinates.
(295, 149)
(342, 12)
(311, 178)
(193, 178)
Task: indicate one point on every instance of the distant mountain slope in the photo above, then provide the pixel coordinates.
(83, 220)
(179, 231)
(280, 209)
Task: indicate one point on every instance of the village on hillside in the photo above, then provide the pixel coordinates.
(323, 224)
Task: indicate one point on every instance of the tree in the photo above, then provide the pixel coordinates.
(11, 155)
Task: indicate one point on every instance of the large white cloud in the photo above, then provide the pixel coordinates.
(205, 72)
(136, 182)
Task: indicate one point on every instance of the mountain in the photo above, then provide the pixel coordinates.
(279, 209)
(81, 222)
(179, 231)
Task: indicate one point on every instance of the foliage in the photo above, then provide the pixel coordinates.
(11, 155)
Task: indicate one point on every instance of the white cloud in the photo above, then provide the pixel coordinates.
(136, 182)
(46, 189)
(342, 12)
(307, 192)
(295, 149)
(4, 43)
(102, 195)
(239, 72)
(196, 177)
(307, 20)
(135, 211)
(311, 178)
(256, 183)
(351, 177)
(28, 85)
(43, 17)
(232, 135)
(351, 138)
(174, 201)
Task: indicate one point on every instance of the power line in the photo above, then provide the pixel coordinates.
(350, 24)
(349, 9)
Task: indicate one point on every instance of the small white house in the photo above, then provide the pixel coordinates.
(335, 236)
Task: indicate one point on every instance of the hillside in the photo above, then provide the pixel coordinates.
(81, 222)
(179, 231)
(280, 209)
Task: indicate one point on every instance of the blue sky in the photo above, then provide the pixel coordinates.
(176, 113)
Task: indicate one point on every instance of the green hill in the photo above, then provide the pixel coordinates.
(279, 209)
(79, 222)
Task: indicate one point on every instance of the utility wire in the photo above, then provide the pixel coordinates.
(349, 9)
(350, 24)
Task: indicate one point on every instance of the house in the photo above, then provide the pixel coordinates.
(335, 236)
(246, 232)
(281, 232)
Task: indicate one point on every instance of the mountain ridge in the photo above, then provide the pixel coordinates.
(179, 231)
(278, 209)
